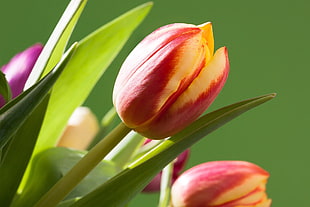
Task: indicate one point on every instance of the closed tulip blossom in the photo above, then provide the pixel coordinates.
(221, 184)
(170, 79)
(178, 165)
(19, 68)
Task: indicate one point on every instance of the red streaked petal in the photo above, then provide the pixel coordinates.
(247, 191)
(193, 101)
(170, 69)
(255, 197)
(208, 83)
(149, 46)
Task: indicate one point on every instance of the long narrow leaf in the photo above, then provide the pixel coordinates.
(136, 177)
(18, 154)
(92, 57)
(57, 42)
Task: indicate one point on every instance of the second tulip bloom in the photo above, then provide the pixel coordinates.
(221, 184)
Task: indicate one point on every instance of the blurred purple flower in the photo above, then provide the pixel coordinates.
(180, 161)
(19, 68)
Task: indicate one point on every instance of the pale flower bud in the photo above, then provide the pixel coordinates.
(82, 127)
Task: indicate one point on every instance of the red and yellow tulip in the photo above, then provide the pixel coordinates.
(170, 79)
(221, 184)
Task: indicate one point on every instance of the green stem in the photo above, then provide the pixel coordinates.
(108, 117)
(67, 183)
(165, 185)
(125, 150)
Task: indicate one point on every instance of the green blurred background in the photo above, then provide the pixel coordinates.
(268, 44)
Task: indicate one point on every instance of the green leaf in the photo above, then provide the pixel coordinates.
(20, 122)
(5, 89)
(13, 114)
(50, 165)
(67, 203)
(92, 57)
(19, 151)
(56, 44)
(133, 179)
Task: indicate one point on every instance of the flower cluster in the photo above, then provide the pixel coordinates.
(160, 95)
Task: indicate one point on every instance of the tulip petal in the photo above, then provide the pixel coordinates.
(193, 101)
(148, 47)
(208, 35)
(257, 197)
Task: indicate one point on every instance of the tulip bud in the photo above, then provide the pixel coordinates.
(178, 165)
(80, 130)
(19, 68)
(170, 79)
(221, 184)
